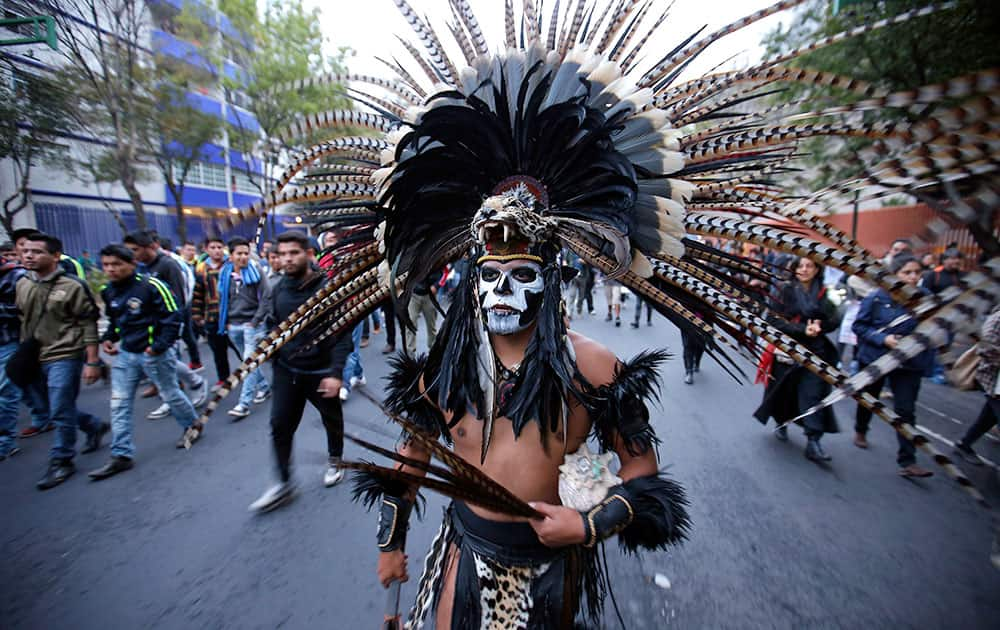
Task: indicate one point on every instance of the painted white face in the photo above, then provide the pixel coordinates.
(510, 294)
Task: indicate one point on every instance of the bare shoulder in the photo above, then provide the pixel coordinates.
(596, 362)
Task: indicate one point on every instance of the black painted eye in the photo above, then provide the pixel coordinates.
(525, 274)
(489, 274)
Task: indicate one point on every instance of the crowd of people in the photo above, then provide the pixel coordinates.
(153, 301)
(844, 320)
(870, 324)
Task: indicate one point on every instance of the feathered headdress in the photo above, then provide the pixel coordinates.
(624, 165)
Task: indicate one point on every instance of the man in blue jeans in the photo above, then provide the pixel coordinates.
(145, 321)
(244, 296)
(10, 330)
(11, 394)
(354, 372)
(59, 312)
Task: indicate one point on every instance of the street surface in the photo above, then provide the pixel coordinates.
(777, 542)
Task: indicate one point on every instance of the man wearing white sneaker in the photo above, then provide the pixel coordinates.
(354, 372)
(302, 372)
(243, 299)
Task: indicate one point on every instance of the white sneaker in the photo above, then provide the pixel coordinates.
(239, 411)
(274, 497)
(160, 412)
(344, 393)
(358, 380)
(260, 397)
(200, 394)
(333, 475)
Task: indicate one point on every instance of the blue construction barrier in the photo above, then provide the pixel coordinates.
(83, 228)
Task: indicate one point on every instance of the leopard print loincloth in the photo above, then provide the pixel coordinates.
(505, 593)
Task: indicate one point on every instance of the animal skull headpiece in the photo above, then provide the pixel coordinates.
(510, 224)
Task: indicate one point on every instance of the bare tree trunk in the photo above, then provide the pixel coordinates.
(182, 228)
(7, 220)
(17, 202)
(128, 182)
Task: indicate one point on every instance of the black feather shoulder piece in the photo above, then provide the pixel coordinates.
(405, 398)
(619, 408)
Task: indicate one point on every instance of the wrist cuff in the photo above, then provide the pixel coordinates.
(608, 517)
(393, 521)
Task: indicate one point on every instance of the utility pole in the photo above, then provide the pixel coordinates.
(854, 219)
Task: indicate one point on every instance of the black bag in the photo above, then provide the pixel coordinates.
(23, 367)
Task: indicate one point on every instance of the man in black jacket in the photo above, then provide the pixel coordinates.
(151, 260)
(302, 372)
(144, 320)
(949, 274)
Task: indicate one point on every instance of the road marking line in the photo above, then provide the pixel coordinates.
(988, 435)
(939, 413)
(952, 445)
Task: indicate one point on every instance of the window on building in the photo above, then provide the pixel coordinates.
(244, 184)
(206, 175)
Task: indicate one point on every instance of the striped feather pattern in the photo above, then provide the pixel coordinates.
(334, 78)
(333, 119)
(468, 17)
(430, 577)
(435, 51)
(404, 74)
(673, 61)
(973, 305)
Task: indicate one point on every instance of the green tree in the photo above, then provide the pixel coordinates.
(180, 133)
(108, 72)
(918, 52)
(33, 116)
(286, 44)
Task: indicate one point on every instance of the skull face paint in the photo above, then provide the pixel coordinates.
(510, 294)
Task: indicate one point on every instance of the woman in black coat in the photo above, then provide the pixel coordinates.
(801, 310)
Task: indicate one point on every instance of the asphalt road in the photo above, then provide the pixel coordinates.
(778, 542)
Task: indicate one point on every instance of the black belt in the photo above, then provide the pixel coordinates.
(511, 542)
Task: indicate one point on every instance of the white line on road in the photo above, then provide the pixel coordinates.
(939, 413)
(941, 438)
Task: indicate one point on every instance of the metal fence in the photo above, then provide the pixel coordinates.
(83, 228)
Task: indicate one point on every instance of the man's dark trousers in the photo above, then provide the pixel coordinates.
(291, 390)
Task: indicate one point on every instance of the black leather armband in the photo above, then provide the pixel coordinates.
(608, 517)
(393, 521)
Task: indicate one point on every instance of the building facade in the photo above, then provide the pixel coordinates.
(87, 215)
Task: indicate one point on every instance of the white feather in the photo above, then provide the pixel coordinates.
(602, 76)
(632, 102)
(658, 160)
(681, 190)
(640, 265)
(648, 121)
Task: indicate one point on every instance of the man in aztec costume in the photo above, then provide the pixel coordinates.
(561, 138)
